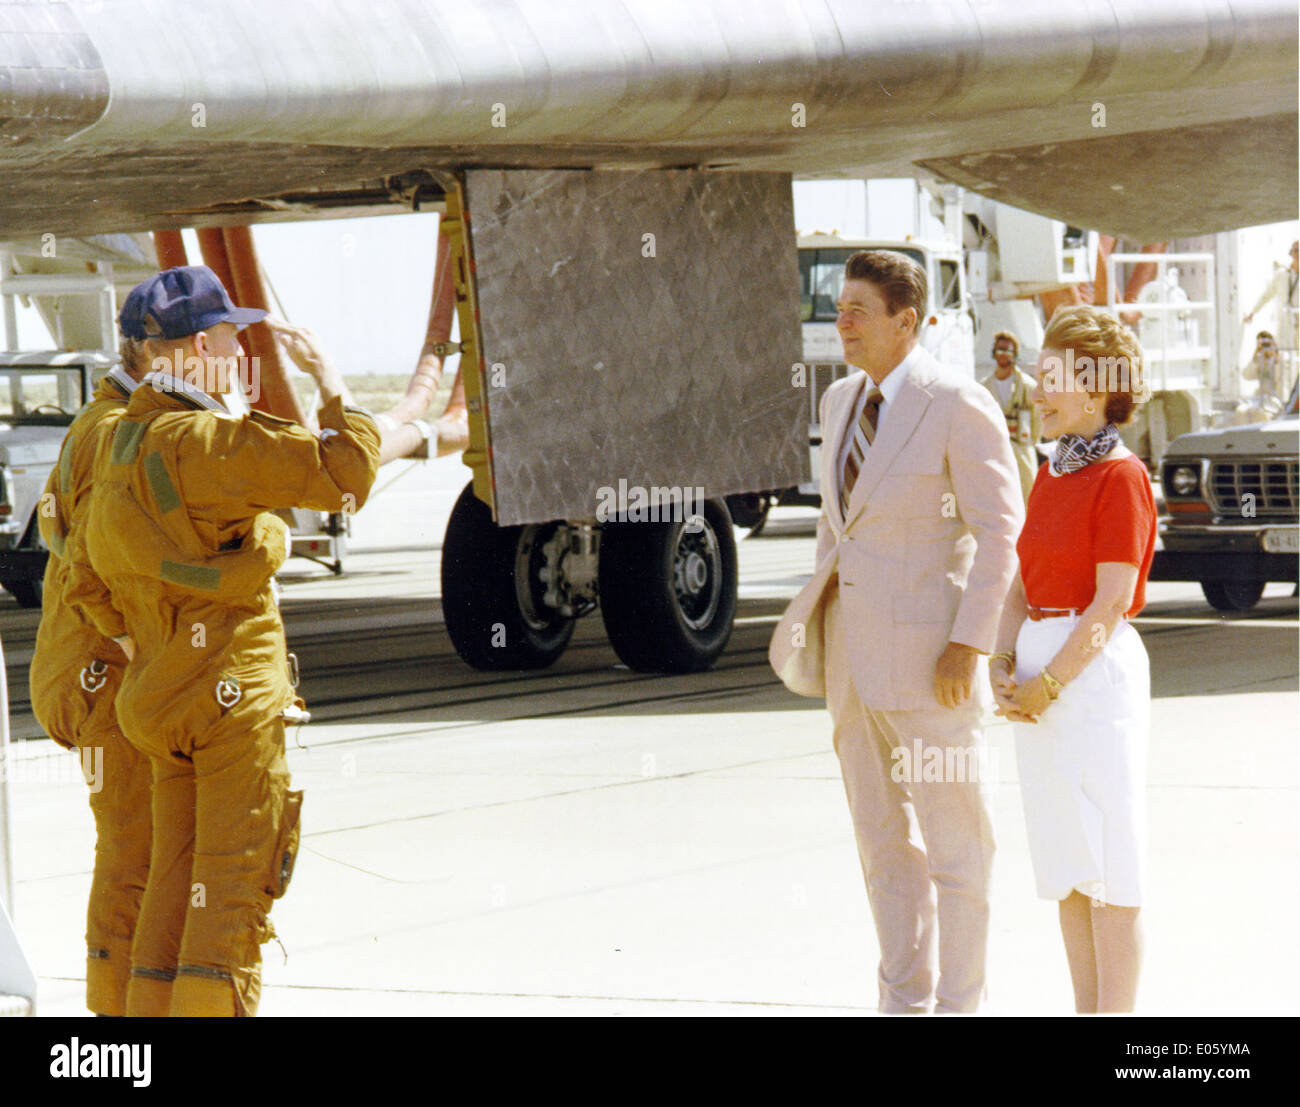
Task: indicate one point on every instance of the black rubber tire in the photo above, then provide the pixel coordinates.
(1232, 595)
(749, 510)
(647, 618)
(28, 593)
(481, 605)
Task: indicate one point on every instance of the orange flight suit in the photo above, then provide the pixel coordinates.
(177, 536)
(75, 674)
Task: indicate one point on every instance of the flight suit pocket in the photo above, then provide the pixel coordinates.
(286, 845)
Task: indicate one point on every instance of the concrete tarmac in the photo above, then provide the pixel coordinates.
(682, 846)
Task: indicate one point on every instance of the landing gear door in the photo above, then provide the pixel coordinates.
(636, 327)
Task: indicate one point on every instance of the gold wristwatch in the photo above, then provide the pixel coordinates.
(1050, 682)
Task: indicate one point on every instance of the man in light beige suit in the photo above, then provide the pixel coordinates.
(921, 507)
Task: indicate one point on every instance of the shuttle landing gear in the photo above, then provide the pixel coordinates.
(667, 590)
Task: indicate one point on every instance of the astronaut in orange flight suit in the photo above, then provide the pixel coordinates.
(75, 674)
(182, 485)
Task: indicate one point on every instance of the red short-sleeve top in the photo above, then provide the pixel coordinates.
(1102, 512)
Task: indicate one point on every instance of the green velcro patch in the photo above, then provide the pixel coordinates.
(164, 492)
(65, 466)
(126, 441)
(190, 576)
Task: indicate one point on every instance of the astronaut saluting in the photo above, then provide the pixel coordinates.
(179, 564)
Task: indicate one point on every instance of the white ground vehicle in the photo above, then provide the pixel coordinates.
(40, 395)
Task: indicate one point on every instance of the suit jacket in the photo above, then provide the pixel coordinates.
(926, 551)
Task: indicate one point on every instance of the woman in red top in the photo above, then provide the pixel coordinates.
(1069, 663)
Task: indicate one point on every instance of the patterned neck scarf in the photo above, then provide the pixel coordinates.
(1073, 451)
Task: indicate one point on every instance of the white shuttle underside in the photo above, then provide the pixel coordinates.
(313, 107)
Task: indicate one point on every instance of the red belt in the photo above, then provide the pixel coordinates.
(1037, 613)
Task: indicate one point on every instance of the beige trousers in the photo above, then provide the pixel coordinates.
(925, 840)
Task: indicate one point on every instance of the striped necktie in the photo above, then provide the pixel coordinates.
(864, 434)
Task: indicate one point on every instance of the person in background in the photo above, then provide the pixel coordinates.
(1266, 368)
(1070, 670)
(1011, 386)
(1283, 289)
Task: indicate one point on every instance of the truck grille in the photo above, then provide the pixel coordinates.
(1272, 483)
(823, 374)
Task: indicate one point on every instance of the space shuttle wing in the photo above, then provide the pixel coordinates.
(1139, 117)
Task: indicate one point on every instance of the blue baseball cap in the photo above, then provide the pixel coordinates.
(179, 302)
(130, 318)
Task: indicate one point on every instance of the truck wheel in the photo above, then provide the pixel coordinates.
(28, 593)
(667, 594)
(1232, 595)
(492, 594)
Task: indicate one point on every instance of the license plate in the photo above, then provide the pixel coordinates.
(1282, 541)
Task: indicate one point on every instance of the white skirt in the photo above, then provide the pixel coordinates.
(1083, 768)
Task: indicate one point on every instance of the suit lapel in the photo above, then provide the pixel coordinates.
(902, 418)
